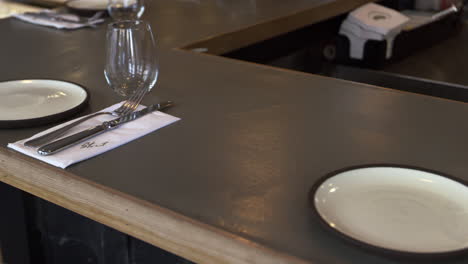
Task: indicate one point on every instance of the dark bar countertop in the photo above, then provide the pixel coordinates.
(229, 182)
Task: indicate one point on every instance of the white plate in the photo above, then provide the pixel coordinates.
(9, 8)
(394, 208)
(32, 100)
(88, 4)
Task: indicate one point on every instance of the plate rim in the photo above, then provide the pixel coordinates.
(37, 121)
(368, 246)
(67, 4)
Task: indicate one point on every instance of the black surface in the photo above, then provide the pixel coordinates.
(445, 61)
(14, 244)
(399, 82)
(303, 46)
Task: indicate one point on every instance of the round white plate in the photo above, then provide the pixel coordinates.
(396, 208)
(38, 101)
(97, 5)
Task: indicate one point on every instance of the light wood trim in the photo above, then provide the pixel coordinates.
(230, 41)
(158, 226)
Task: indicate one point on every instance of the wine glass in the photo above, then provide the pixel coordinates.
(126, 9)
(131, 61)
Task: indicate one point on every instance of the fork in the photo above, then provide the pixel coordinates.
(128, 106)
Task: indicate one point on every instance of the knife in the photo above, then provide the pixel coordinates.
(71, 140)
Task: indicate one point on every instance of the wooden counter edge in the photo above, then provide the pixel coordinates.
(243, 37)
(158, 226)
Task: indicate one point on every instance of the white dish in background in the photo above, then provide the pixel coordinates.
(10, 8)
(395, 208)
(97, 5)
(24, 100)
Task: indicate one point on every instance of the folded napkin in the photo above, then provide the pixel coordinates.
(378, 18)
(101, 143)
(372, 22)
(59, 20)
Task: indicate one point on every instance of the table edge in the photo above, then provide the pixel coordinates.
(242, 37)
(161, 227)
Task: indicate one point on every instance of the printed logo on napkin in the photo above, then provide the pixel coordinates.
(93, 144)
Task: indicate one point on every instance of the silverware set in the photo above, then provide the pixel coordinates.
(48, 146)
(69, 141)
(128, 106)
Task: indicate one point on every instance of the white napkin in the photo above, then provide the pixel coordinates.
(358, 37)
(57, 23)
(101, 143)
(378, 18)
(372, 22)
